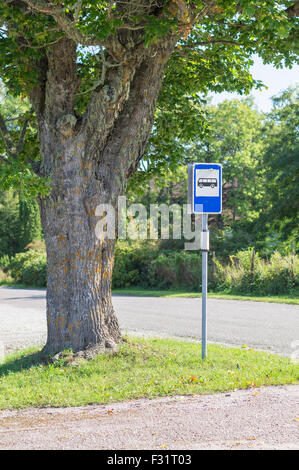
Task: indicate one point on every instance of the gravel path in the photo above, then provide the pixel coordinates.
(263, 418)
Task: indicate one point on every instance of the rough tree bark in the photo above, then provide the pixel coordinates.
(89, 161)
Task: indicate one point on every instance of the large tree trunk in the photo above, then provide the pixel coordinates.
(89, 160)
(79, 308)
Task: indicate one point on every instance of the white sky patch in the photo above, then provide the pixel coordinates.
(276, 80)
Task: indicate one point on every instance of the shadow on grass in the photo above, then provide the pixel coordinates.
(27, 361)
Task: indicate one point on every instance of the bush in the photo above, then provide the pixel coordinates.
(28, 268)
(4, 262)
(35, 270)
(142, 264)
(4, 277)
(279, 275)
(176, 269)
(132, 264)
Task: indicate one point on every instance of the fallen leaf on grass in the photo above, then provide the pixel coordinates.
(250, 384)
(193, 379)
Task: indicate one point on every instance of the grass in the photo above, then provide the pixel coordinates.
(18, 285)
(141, 368)
(138, 292)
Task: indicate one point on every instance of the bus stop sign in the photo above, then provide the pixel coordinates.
(205, 188)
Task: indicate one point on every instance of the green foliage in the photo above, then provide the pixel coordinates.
(156, 28)
(162, 269)
(29, 268)
(5, 262)
(20, 175)
(278, 275)
(145, 265)
(176, 269)
(4, 277)
(20, 223)
(9, 240)
(215, 54)
(18, 172)
(233, 138)
(29, 220)
(220, 43)
(179, 121)
(132, 263)
(281, 136)
(148, 267)
(260, 175)
(235, 141)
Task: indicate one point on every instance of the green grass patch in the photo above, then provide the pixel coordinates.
(18, 285)
(136, 292)
(141, 368)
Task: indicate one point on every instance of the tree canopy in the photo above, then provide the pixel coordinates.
(281, 135)
(213, 51)
(259, 153)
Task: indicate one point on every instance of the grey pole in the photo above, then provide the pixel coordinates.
(204, 291)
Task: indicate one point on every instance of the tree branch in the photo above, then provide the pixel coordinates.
(127, 140)
(12, 150)
(212, 41)
(22, 137)
(293, 10)
(66, 25)
(36, 166)
(43, 45)
(3, 159)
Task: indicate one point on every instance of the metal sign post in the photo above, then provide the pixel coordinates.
(204, 287)
(204, 197)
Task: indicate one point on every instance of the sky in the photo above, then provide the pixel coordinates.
(275, 79)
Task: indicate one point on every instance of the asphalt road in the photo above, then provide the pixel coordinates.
(259, 325)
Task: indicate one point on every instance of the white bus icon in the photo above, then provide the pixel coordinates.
(211, 182)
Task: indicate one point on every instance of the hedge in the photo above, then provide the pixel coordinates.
(144, 265)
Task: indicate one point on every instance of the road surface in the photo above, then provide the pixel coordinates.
(259, 325)
(264, 418)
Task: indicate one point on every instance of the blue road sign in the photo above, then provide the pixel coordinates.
(205, 188)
